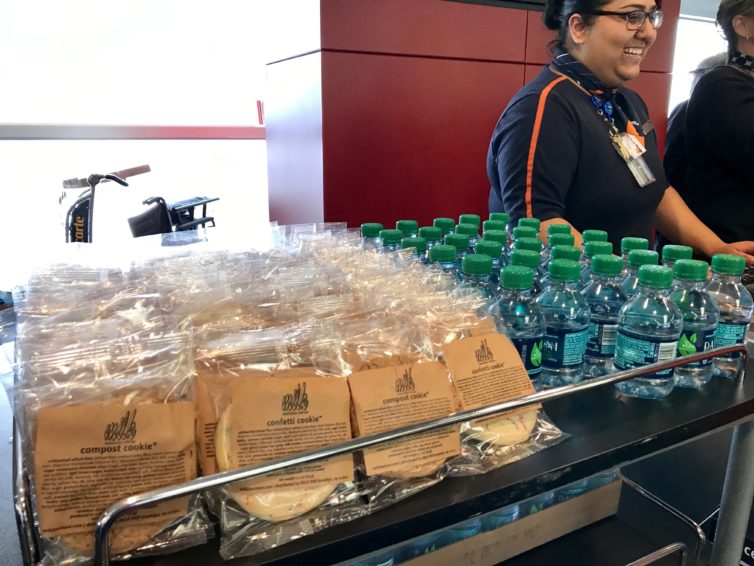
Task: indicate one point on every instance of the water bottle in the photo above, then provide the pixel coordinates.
(391, 240)
(370, 234)
(736, 308)
(558, 229)
(567, 320)
(432, 235)
(531, 244)
(409, 228)
(473, 219)
(530, 223)
(472, 232)
(476, 270)
(461, 243)
(524, 232)
(605, 297)
(459, 532)
(571, 490)
(593, 236)
(556, 239)
(626, 245)
(493, 249)
(649, 326)
(417, 243)
(530, 259)
(444, 256)
(500, 518)
(445, 224)
(488, 225)
(700, 318)
(637, 258)
(672, 253)
(502, 217)
(592, 249)
(561, 252)
(520, 318)
(502, 237)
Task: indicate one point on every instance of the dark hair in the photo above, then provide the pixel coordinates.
(558, 12)
(728, 10)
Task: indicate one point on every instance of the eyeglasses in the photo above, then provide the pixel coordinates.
(636, 18)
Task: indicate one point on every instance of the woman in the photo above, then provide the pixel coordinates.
(719, 130)
(576, 146)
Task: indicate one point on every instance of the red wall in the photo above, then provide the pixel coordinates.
(391, 116)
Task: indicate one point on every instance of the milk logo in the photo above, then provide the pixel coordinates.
(405, 383)
(296, 402)
(122, 430)
(483, 353)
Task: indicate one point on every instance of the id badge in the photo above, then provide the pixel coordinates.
(632, 153)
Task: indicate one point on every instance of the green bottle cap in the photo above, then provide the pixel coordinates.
(501, 216)
(566, 252)
(607, 264)
(391, 237)
(532, 244)
(690, 269)
(516, 277)
(442, 253)
(673, 252)
(657, 276)
(530, 223)
(468, 229)
(444, 224)
(637, 258)
(474, 219)
(477, 264)
(407, 226)
(558, 229)
(431, 233)
(595, 247)
(491, 248)
(727, 264)
(524, 232)
(561, 240)
(627, 244)
(594, 236)
(371, 229)
(525, 258)
(496, 235)
(493, 225)
(564, 270)
(419, 243)
(460, 241)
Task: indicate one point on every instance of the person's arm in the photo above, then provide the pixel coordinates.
(676, 221)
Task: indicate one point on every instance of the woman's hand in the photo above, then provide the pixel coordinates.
(745, 249)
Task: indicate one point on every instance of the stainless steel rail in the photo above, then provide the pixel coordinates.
(663, 552)
(111, 515)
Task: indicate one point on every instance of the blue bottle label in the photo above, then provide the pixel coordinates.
(694, 341)
(633, 351)
(530, 350)
(564, 348)
(601, 343)
(729, 334)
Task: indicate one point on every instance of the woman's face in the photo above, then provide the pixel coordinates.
(608, 48)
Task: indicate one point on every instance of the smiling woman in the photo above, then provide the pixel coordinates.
(576, 146)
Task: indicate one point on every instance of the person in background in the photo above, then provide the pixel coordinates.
(675, 151)
(575, 146)
(719, 130)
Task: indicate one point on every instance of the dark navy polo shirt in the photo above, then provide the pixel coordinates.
(551, 156)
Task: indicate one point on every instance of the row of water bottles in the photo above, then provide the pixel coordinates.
(573, 314)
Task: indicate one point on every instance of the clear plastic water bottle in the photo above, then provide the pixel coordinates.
(602, 479)
(571, 490)
(592, 236)
(419, 244)
(461, 531)
(370, 234)
(649, 326)
(558, 229)
(605, 298)
(473, 219)
(445, 224)
(672, 253)
(556, 239)
(736, 308)
(494, 250)
(391, 240)
(409, 228)
(531, 244)
(626, 245)
(567, 319)
(530, 259)
(493, 225)
(502, 217)
(471, 231)
(444, 256)
(476, 270)
(530, 223)
(700, 318)
(637, 258)
(500, 517)
(561, 252)
(520, 318)
(502, 237)
(431, 234)
(524, 232)
(592, 249)
(461, 243)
